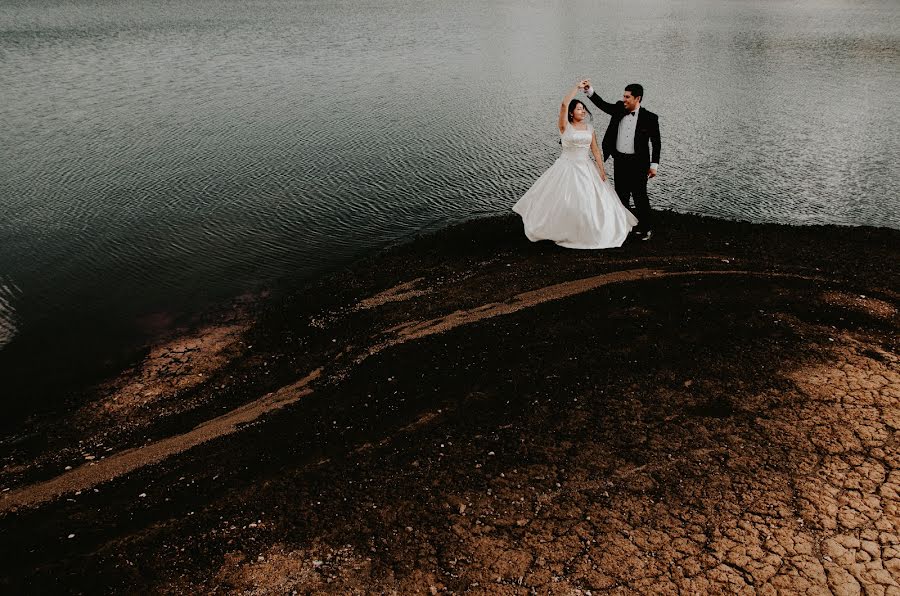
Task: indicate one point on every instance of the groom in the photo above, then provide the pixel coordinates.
(631, 131)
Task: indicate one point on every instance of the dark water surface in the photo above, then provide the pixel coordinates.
(156, 156)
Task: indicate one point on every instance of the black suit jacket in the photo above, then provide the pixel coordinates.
(646, 131)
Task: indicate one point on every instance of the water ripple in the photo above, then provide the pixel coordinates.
(9, 294)
(155, 154)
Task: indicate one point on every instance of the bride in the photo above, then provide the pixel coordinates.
(573, 202)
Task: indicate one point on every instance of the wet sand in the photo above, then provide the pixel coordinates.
(712, 411)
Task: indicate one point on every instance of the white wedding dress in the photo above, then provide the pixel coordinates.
(571, 205)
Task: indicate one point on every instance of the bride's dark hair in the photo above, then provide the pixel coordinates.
(574, 103)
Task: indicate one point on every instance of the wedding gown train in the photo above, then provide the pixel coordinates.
(570, 205)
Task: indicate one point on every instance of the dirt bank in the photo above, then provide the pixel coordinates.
(715, 410)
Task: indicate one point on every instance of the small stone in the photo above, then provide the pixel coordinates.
(71, 535)
(142, 495)
(462, 508)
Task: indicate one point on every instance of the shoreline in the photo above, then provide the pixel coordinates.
(446, 365)
(157, 328)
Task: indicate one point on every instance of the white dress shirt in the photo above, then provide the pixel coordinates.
(627, 126)
(625, 138)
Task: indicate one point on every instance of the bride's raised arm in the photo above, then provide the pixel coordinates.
(564, 108)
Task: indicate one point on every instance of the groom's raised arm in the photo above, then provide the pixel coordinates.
(607, 107)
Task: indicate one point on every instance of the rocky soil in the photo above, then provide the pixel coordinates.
(713, 411)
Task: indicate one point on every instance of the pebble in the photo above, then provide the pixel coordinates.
(71, 535)
(142, 495)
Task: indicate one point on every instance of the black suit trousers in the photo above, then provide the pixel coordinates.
(631, 183)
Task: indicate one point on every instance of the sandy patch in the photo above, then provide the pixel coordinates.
(96, 472)
(861, 303)
(398, 293)
(168, 369)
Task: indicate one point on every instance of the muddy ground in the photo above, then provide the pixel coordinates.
(713, 411)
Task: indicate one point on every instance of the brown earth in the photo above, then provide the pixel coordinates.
(713, 411)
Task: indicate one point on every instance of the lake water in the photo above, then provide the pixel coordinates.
(157, 156)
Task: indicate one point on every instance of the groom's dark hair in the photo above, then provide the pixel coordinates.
(635, 90)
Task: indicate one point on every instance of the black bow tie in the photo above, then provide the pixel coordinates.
(629, 113)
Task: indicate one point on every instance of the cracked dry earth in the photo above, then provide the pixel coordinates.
(695, 416)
